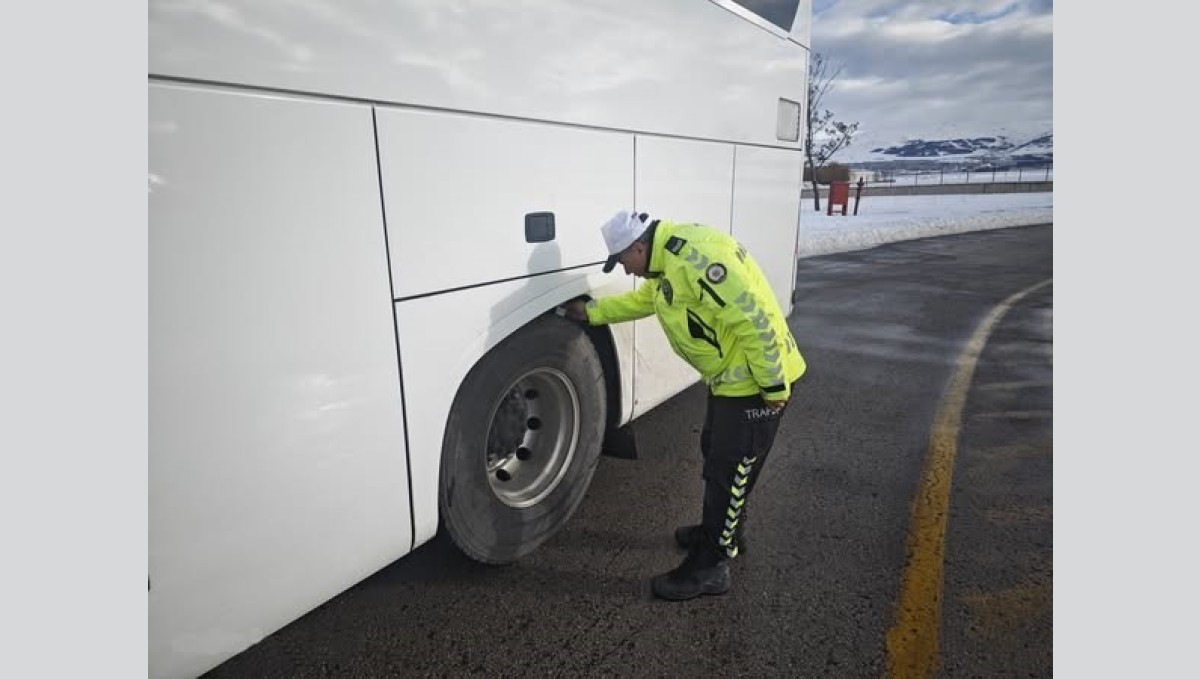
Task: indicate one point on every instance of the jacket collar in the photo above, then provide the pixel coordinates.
(663, 231)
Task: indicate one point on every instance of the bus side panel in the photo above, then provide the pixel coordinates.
(684, 67)
(458, 189)
(682, 181)
(685, 181)
(766, 208)
(277, 470)
(443, 336)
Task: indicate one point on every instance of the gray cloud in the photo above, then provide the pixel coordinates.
(937, 68)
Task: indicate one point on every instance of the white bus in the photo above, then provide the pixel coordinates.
(362, 216)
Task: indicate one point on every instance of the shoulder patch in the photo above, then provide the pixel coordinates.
(715, 272)
(675, 244)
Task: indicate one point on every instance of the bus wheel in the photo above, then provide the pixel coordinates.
(522, 441)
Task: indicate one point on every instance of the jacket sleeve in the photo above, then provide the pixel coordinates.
(747, 315)
(628, 306)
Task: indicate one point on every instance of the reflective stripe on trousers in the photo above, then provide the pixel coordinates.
(737, 436)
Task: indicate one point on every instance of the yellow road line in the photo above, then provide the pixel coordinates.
(912, 641)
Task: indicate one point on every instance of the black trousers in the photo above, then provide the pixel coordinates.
(737, 436)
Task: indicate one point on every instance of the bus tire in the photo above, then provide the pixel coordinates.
(522, 441)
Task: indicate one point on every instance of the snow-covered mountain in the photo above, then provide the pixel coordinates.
(996, 151)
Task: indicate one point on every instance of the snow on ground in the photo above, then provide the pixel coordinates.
(886, 219)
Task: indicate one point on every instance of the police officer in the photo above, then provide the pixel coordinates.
(720, 315)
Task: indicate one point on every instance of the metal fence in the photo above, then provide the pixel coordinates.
(937, 177)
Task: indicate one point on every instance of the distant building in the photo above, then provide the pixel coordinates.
(867, 176)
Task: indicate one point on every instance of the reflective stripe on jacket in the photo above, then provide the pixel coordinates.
(717, 310)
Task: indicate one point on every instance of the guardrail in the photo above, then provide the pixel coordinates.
(939, 177)
(937, 189)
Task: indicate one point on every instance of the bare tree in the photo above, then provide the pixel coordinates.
(823, 136)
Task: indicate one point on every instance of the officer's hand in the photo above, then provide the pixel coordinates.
(576, 310)
(776, 406)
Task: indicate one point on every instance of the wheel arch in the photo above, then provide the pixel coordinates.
(606, 348)
(602, 338)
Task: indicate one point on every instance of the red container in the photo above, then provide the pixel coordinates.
(839, 194)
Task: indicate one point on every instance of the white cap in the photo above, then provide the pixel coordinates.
(620, 232)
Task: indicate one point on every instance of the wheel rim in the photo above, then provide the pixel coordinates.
(532, 436)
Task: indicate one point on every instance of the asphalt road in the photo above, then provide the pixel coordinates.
(884, 332)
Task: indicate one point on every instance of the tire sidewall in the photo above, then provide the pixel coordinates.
(483, 526)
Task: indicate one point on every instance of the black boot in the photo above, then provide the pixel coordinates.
(703, 571)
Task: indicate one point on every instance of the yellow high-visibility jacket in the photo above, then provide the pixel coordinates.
(717, 310)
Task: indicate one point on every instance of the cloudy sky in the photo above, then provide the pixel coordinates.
(937, 69)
